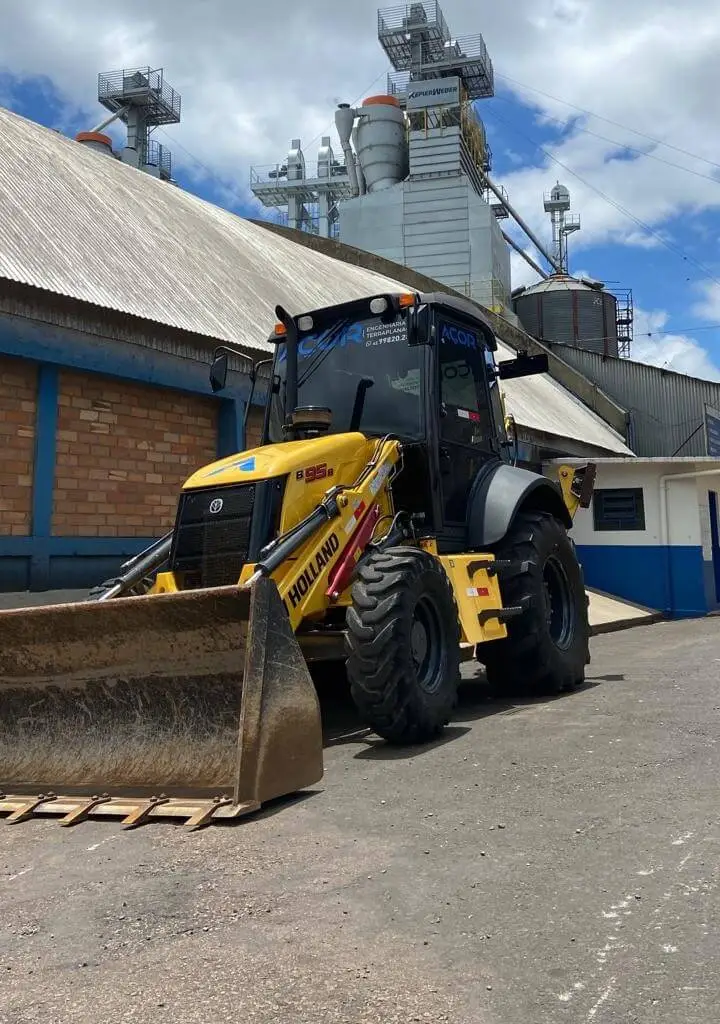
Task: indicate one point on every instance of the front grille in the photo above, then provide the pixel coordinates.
(212, 535)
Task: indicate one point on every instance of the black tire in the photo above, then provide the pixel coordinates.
(403, 643)
(547, 648)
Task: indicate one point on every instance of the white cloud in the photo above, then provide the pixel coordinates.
(522, 273)
(254, 76)
(709, 305)
(672, 351)
(651, 193)
(251, 80)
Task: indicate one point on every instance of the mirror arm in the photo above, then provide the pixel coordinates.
(248, 405)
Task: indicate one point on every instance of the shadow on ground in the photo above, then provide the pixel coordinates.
(342, 725)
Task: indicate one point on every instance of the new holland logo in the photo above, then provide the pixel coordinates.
(215, 506)
(312, 570)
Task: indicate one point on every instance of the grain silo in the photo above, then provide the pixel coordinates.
(568, 311)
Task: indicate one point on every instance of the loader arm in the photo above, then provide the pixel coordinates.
(320, 569)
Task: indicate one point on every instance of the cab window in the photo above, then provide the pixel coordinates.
(466, 417)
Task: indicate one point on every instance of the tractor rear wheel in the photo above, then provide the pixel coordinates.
(403, 643)
(547, 647)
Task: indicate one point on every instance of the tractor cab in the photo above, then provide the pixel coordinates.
(417, 367)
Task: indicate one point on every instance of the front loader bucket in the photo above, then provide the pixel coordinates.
(196, 705)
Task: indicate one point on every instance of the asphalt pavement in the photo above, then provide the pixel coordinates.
(549, 861)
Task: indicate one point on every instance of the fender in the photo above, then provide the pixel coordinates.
(499, 492)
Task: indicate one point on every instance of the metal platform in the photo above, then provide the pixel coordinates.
(401, 27)
(418, 42)
(273, 189)
(140, 87)
(159, 156)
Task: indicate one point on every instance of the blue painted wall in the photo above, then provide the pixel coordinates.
(669, 579)
(41, 561)
(59, 563)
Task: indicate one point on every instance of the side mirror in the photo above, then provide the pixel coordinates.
(220, 364)
(523, 366)
(218, 370)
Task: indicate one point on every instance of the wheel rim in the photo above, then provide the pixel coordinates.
(560, 609)
(426, 647)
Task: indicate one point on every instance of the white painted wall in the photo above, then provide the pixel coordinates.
(685, 499)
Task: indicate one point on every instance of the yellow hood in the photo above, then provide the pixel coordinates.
(282, 459)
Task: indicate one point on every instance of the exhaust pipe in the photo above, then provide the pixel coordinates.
(358, 166)
(344, 121)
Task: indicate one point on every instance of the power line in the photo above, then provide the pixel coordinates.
(679, 330)
(213, 175)
(621, 209)
(632, 149)
(599, 117)
(654, 334)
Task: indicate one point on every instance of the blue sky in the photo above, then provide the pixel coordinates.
(682, 250)
(562, 86)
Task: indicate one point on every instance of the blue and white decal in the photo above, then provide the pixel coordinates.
(246, 465)
(459, 336)
(367, 333)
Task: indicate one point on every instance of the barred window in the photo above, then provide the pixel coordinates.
(619, 508)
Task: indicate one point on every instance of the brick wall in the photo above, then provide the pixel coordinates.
(123, 452)
(18, 387)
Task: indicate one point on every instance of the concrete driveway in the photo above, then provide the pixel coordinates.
(548, 861)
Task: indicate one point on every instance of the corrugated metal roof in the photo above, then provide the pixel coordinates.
(540, 403)
(87, 226)
(558, 284)
(78, 223)
(666, 408)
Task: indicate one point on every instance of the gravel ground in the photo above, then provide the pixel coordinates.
(549, 861)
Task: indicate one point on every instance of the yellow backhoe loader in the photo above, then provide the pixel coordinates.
(382, 520)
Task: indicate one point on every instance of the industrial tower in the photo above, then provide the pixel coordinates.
(142, 100)
(412, 185)
(557, 204)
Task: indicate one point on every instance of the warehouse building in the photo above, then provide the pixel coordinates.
(115, 287)
(668, 413)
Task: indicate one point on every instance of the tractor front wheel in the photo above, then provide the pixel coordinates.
(403, 642)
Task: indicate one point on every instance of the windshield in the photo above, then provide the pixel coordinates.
(334, 362)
